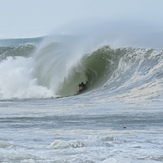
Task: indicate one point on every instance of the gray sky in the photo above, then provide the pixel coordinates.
(32, 18)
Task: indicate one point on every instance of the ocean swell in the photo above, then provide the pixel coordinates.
(22, 50)
(61, 68)
(57, 66)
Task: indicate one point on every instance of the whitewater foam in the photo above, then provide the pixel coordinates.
(17, 80)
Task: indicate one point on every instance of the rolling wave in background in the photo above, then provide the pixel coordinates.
(55, 67)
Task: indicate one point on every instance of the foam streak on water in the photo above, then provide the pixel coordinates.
(85, 131)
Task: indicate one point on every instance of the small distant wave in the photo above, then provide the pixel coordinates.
(22, 50)
(20, 41)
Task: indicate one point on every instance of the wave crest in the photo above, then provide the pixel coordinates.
(118, 70)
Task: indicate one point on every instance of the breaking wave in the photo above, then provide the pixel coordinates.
(60, 68)
(55, 68)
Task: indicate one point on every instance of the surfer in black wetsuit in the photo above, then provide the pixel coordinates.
(82, 86)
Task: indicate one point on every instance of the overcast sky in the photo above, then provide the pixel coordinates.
(32, 18)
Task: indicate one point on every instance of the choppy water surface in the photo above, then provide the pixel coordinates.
(75, 129)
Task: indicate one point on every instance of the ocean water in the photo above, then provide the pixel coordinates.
(43, 118)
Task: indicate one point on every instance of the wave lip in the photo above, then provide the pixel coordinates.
(23, 50)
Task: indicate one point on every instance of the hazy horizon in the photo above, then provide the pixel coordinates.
(28, 18)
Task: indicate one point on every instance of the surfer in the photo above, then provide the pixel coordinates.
(82, 86)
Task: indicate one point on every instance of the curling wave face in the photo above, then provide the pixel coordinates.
(121, 71)
(93, 69)
(61, 66)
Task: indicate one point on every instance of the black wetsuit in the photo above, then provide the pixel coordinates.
(82, 86)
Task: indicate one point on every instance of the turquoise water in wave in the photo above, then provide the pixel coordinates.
(118, 118)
